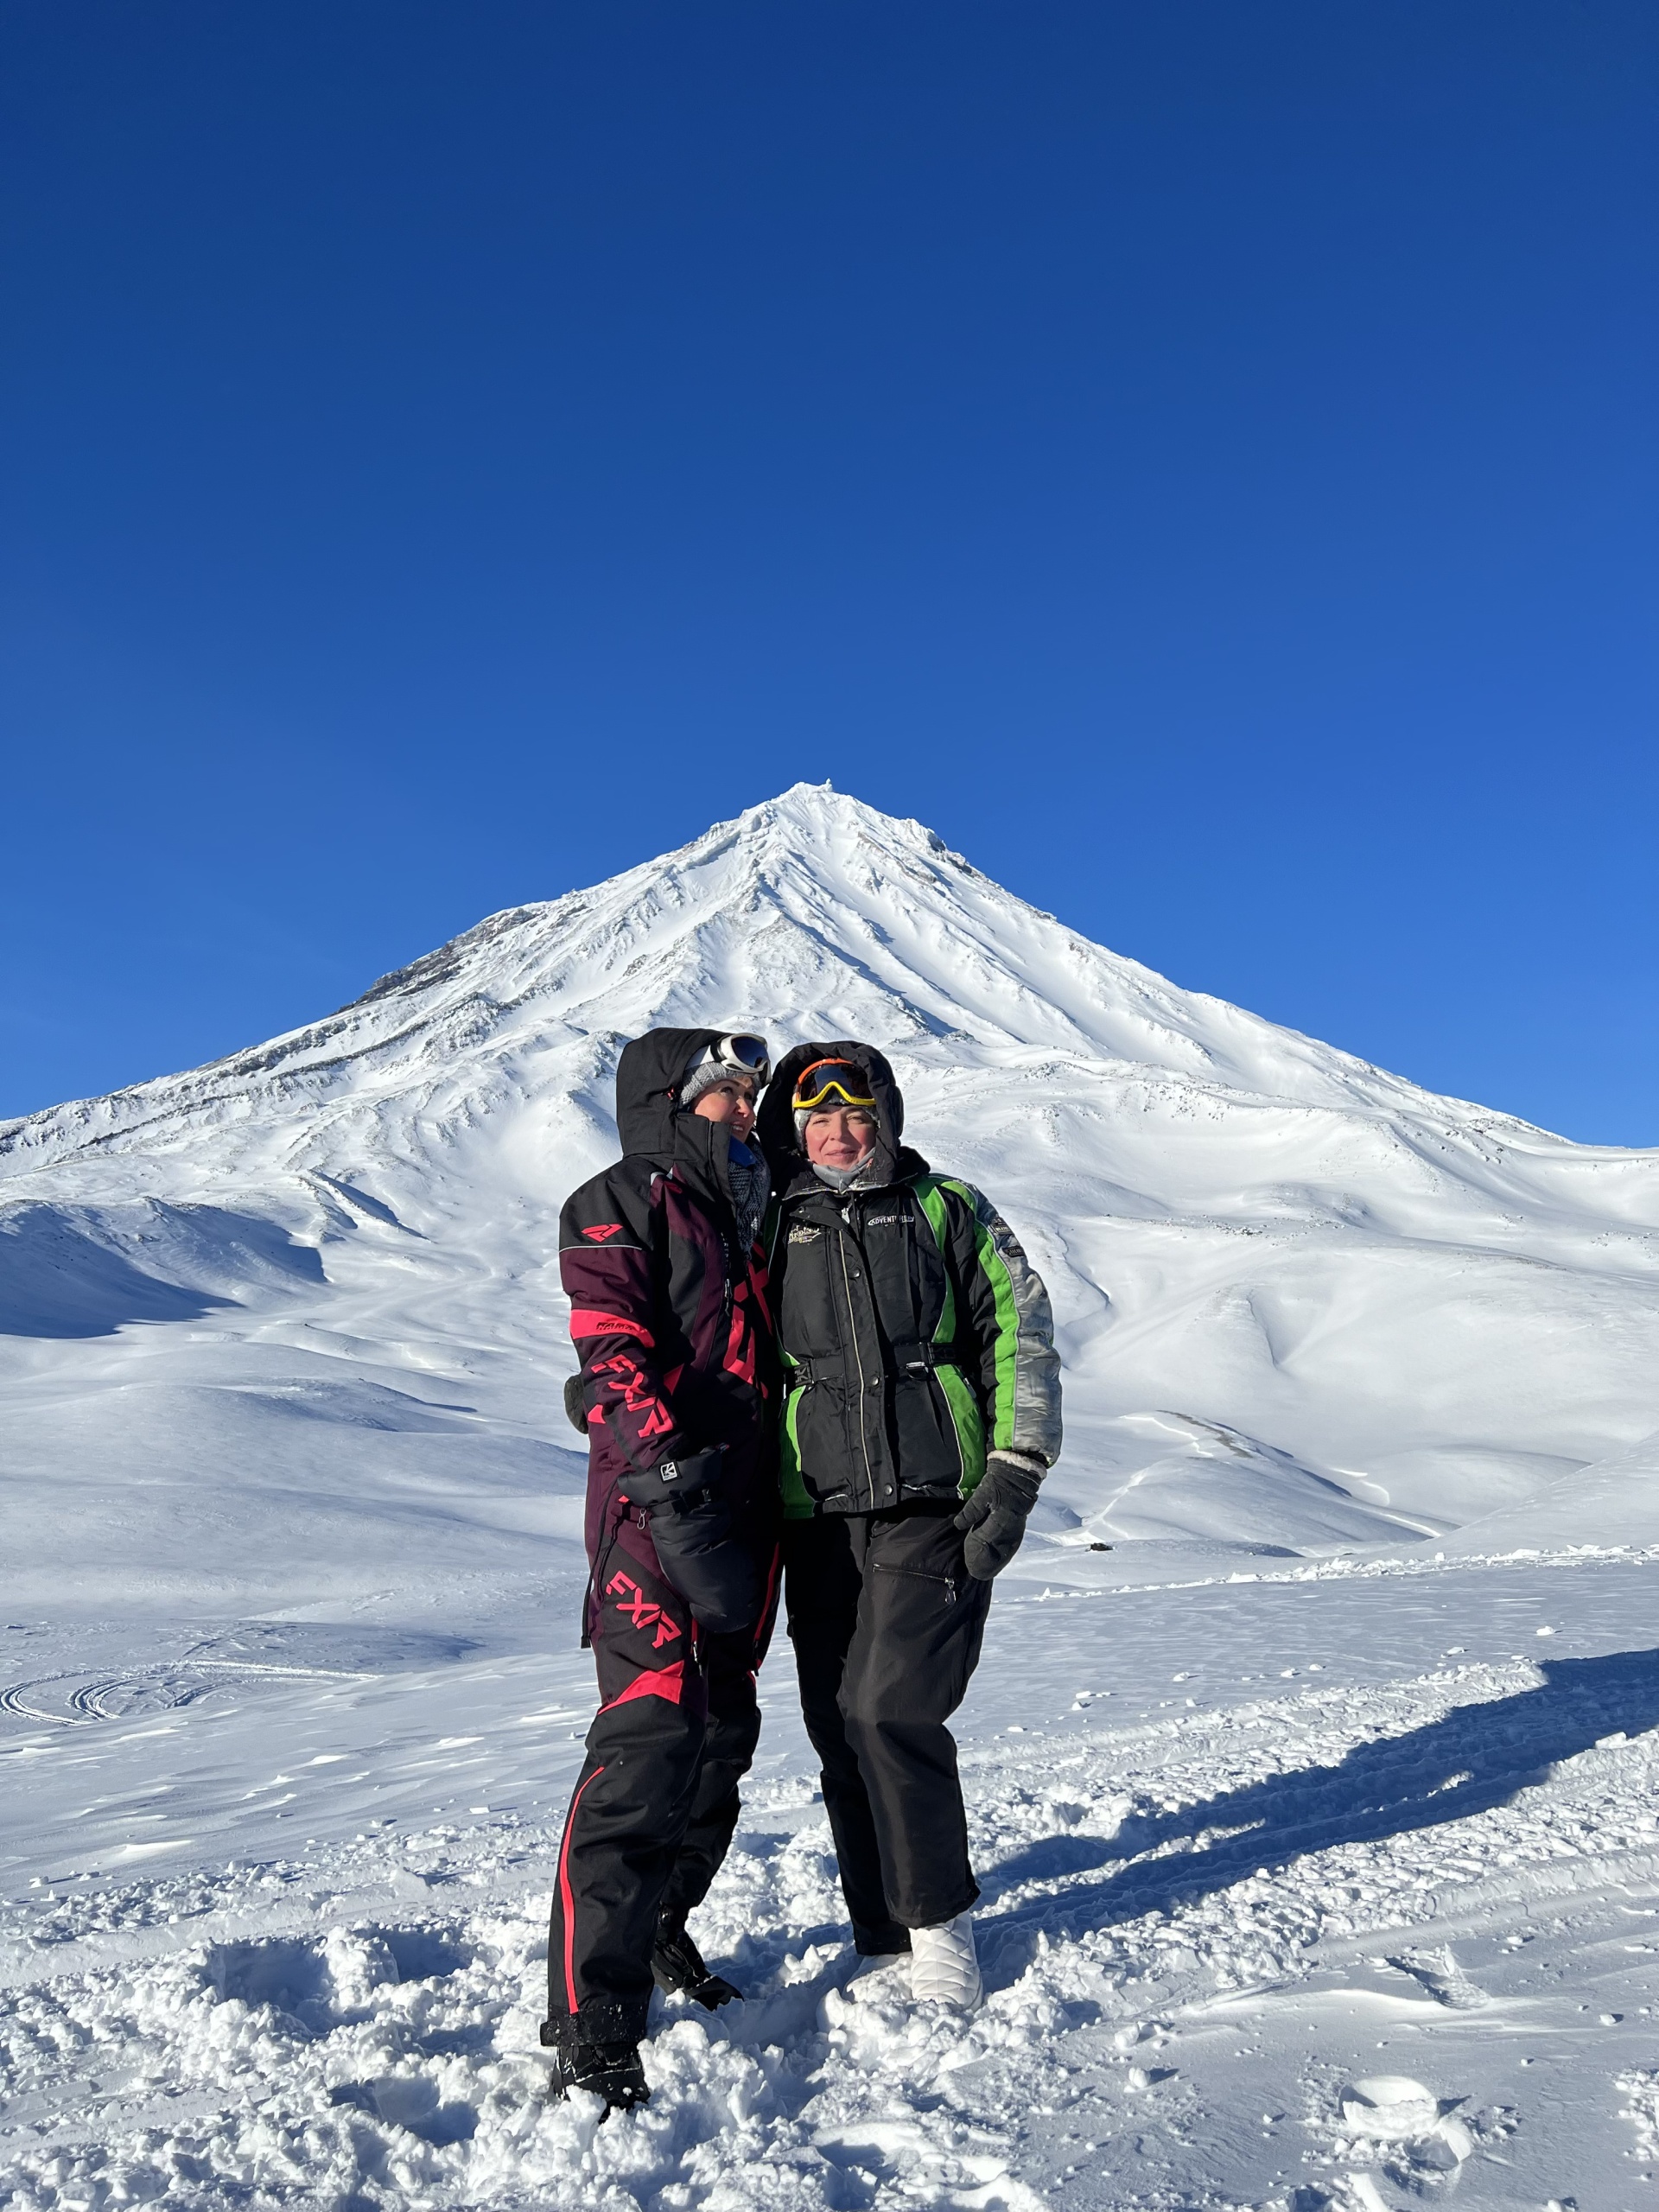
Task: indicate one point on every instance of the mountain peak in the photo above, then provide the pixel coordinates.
(808, 819)
(809, 913)
(809, 909)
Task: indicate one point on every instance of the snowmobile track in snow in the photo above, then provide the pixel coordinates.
(77, 1699)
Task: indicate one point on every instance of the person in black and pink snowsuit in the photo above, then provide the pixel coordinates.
(668, 1315)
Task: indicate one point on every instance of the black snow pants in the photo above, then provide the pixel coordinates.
(887, 1624)
(656, 1802)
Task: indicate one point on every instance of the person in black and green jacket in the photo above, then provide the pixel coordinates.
(923, 1410)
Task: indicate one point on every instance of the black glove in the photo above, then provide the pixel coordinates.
(576, 1402)
(697, 1549)
(675, 1483)
(995, 1517)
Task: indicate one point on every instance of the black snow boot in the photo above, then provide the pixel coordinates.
(611, 2070)
(677, 1964)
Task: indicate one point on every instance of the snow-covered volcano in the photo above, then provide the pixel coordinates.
(1302, 1303)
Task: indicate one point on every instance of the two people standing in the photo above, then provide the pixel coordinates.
(854, 1378)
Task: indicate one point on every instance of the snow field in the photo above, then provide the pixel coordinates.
(1221, 1898)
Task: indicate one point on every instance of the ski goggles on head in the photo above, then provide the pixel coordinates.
(832, 1083)
(743, 1055)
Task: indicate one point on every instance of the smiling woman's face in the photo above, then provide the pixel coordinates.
(839, 1136)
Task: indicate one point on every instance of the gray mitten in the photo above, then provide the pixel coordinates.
(995, 1517)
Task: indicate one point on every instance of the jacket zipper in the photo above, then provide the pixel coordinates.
(863, 1382)
(728, 1284)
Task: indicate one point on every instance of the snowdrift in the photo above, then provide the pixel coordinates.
(1611, 1506)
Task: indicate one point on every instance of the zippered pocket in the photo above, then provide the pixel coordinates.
(596, 1590)
(945, 1582)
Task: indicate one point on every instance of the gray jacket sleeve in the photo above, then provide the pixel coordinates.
(1019, 1368)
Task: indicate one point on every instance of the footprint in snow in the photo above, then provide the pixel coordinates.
(1438, 1973)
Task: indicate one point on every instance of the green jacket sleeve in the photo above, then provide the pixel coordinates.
(1006, 1329)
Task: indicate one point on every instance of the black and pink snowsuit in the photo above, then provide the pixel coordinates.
(671, 1322)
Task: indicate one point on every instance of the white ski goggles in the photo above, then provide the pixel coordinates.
(743, 1055)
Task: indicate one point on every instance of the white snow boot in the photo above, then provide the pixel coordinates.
(943, 1965)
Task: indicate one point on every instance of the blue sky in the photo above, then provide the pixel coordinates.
(1201, 459)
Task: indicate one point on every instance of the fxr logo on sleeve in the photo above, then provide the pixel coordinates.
(638, 1396)
(602, 1231)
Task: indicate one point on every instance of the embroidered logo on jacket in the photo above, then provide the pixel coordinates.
(804, 1234)
(602, 1231)
(584, 1324)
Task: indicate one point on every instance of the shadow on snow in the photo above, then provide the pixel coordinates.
(1475, 1758)
(87, 1271)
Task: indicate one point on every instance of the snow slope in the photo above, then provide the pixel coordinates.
(1335, 1770)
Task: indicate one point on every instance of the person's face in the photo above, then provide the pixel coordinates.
(732, 1101)
(839, 1136)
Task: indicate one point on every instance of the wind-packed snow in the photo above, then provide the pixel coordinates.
(1312, 1814)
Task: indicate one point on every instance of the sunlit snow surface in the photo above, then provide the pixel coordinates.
(1313, 1816)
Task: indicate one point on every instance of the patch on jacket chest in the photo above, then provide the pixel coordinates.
(804, 1233)
(885, 1220)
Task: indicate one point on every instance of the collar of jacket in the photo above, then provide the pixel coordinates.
(651, 1122)
(805, 1185)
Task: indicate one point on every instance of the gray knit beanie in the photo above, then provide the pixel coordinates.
(704, 1073)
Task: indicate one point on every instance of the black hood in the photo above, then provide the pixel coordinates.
(775, 1124)
(648, 1117)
